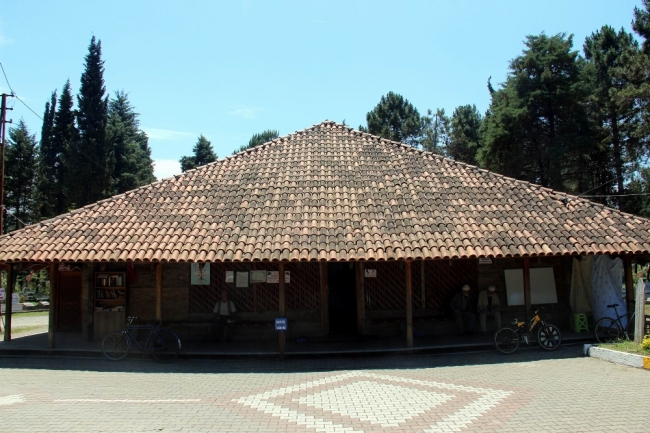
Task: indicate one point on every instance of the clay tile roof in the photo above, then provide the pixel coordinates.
(330, 193)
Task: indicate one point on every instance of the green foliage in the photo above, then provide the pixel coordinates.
(20, 177)
(435, 131)
(130, 146)
(465, 139)
(258, 139)
(92, 160)
(641, 24)
(537, 128)
(395, 118)
(47, 158)
(203, 154)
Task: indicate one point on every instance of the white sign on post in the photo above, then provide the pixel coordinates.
(2, 293)
(273, 277)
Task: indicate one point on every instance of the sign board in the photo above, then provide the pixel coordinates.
(200, 274)
(287, 277)
(15, 298)
(258, 276)
(281, 323)
(485, 261)
(273, 277)
(371, 273)
(241, 279)
(2, 293)
(542, 286)
(230, 276)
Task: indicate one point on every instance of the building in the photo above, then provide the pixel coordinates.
(353, 233)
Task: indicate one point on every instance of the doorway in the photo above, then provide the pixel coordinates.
(342, 299)
(69, 301)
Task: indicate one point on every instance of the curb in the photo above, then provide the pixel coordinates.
(616, 357)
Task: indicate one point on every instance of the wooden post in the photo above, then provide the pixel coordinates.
(281, 307)
(54, 294)
(8, 301)
(159, 291)
(324, 299)
(527, 285)
(422, 284)
(629, 282)
(361, 299)
(409, 304)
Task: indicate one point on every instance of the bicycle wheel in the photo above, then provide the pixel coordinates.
(607, 330)
(116, 346)
(549, 337)
(506, 340)
(166, 346)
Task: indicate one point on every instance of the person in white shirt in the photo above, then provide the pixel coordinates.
(224, 315)
(488, 305)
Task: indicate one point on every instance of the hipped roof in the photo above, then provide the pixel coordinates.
(330, 193)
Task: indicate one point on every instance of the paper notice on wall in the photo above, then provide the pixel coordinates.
(241, 279)
(287, 277)
(371, 273)
(199, 274)
(258, 276)
(230, 276)
(273, 277)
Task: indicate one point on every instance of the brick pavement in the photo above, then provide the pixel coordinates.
(471, 392)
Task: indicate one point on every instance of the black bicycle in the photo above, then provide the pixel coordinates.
(506, 339)
(162, 343)
(608, 330)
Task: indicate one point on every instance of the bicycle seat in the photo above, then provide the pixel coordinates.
(612, 305)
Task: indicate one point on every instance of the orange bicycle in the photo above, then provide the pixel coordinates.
(506, 339)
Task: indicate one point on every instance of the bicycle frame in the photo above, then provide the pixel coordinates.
(630, 321)
(146, 346)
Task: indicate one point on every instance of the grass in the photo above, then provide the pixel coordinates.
(627, 347)
(25, 329)
(31, 313)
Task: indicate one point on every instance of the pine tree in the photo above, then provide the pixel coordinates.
(203, 154)
(63, 156)
(435, 133)
(395, 118)
(258, 139)
(45, 190)
(465, 138)
(20, 177)
(641, 24)
(93, 158)
(133, 164)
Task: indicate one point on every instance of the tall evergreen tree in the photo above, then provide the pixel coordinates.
(395, 118)
(44, 207)
(606, 50)
(133, 164)
(20, 177)
(258, 139)
(93, 159)
(465, 139)
(435, 131)
(538, 126)
(203, 154)
(63, 157)
(641, 24)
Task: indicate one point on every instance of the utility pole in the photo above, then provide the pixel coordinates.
(3, 128)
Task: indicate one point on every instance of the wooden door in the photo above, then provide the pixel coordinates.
(69, 301)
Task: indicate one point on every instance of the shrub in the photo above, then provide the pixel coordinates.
(645, 344)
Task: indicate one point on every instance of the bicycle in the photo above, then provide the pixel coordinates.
(506, 339)
(162, 343)
(608, 330)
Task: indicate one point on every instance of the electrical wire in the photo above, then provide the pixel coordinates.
(617, 195)
(10, 213)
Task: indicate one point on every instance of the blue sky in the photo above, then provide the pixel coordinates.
(230, 69)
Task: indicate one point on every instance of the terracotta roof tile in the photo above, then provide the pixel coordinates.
(330, 193)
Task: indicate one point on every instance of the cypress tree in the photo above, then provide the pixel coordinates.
(133, 164)
(20, 177)
(465, 137)
(203, 154)
(93, 157)
(63, 154)
(45, 171)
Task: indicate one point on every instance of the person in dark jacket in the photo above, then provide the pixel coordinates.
(224, 315)
(463, 310)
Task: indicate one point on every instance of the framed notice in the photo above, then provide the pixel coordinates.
(230, 276)
(273, 277)
(200, 274)
(258, 276)
(542, 286)
(287, 277)
(371, 273)
(241, 279)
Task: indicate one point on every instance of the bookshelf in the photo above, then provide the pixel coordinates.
(110, 303)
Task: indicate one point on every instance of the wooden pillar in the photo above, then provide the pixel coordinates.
(629, 282)
(361, 298)
(8, 301)
(324, 299)
(527, 284)
(422, 284)
(159, 291)
(281, 305)
(409, 304)
(639, 317)
(54, 295)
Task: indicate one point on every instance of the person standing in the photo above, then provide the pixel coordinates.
(462, 308)
(224, 315)
(488, 305)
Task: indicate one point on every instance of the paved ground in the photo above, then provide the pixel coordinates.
(473, 392)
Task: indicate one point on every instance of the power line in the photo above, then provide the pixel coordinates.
(6, 79)
(10, 213)
(617, 195)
